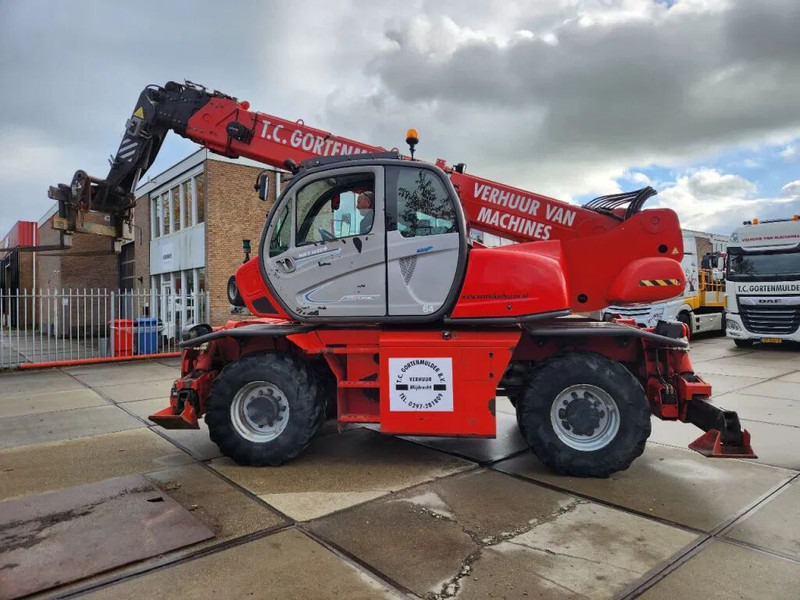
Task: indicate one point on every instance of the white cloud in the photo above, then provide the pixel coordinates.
(790, 153)
(707, 184)
(716, 202)
(791, 190)
(559, 97)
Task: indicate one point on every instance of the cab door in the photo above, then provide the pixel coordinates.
(424, 244)
(324, 256)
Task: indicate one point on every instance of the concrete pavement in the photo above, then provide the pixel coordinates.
(361, 515)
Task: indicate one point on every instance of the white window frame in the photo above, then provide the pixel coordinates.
(157, 195)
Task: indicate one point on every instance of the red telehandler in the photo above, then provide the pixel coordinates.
(369, 297)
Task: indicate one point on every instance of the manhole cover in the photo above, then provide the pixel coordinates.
(55, 538)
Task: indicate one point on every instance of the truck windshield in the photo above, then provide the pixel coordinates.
(764, 264)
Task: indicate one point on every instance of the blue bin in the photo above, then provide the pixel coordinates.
(146, 335)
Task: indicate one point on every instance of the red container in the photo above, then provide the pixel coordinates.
(123, 336)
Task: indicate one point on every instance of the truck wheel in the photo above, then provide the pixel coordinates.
(263, 409)
(584, 415)
(743, 343)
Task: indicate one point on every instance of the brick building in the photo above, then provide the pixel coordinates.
(192, 219)
(89, 264)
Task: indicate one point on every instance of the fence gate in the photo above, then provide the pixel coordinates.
(41, 326)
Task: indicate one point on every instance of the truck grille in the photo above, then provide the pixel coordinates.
(639, 313)
(766, 320)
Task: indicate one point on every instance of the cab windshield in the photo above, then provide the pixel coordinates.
(774, 265)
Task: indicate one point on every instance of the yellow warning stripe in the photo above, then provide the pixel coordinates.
(655, 282)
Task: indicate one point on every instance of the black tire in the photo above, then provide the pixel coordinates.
(299, 388)
(326, 388)
(555, 376)
(743, 343)
(234, 296)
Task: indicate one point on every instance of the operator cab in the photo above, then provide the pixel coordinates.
(365, 238)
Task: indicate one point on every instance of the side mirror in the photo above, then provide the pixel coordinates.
(262, 185)
(336, 202)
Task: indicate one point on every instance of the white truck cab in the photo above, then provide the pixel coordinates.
(762, 296)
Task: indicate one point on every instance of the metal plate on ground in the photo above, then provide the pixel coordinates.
(55, 538)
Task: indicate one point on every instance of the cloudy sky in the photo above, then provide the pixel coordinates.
(571, 98)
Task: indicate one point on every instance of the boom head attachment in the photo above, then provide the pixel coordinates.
(157, 111)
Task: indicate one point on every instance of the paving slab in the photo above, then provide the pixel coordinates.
(34, 469)
(484, 534)
(108, 366)
(769, 358)
(788, 390)
(758, 369)
(196, 441)
(144, 390)
(792, 377)
(63, 536)
(339, 471)
(762, 408)
(722, 384)
(724, 570)
(226, 510)
(284, 565)
(675, 433)
(713, 349)
(503, 404)
(28, 404)
(36, 382)
(679, 486)
(173, 361)
(127, 374)
(42, 428)
(775, 525)
(776, 445)
(508, 441)
(223, 508)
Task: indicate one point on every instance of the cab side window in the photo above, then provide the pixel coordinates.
(335, 208)
(423, 206)
(281, 235)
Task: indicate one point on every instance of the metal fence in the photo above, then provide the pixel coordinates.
(40, 326)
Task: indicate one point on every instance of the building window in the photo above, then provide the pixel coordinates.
(175, 206)
(156, 230)
(200, 198)
(186, 203)
(165, 213)
(127, 266)
(179, 207)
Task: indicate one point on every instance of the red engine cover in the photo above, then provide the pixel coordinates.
(511, 281)
(647, 280)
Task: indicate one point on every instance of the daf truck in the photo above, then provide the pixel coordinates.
(762, 296)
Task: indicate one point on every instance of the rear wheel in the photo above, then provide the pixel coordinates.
(584, 415)
(743, 343)
(264, 409)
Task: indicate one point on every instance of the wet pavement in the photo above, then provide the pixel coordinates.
(361, 515)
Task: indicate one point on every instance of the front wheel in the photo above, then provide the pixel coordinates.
(263, 409)
(584, 415)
